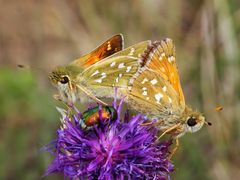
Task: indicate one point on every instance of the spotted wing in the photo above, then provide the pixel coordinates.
(115, 70)
(111, 72)
(155, 89)
(101, 79)
(160, 57)
(109, 47)
(151, 94)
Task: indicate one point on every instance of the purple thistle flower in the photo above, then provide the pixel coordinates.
(111, 150)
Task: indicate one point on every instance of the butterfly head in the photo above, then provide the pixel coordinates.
(193, 121)
(59, 76)
(63, 77)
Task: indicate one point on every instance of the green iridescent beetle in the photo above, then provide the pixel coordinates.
(94, 115)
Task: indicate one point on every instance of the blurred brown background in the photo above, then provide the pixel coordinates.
(46, 33)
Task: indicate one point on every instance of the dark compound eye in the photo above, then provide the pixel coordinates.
(64, 80)
(191, 121)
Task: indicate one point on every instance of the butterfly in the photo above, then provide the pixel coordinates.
(156, 90)
(94, 75)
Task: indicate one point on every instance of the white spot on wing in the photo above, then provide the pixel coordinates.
(120, 75)
(98, 80)
(121, 65)
(171, 59)
(131, 52)
(144, 88)
(158, 97)
(95, 73)
(144, 93)
(129, 68)
(151, 55)
(112, 64)
(104, 75)
(109, 46)
(164, 88)
(117, 80)
(131, 81)
(154, 81)
(144, 80)
(170, 100)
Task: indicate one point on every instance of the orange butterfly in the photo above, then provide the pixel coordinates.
(156, 91)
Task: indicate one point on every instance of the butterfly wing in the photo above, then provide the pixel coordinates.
(151, 94)
(124, 63)
(109, 47)
(114, 71)
(155, 89)
(160, 57)
(135, 50)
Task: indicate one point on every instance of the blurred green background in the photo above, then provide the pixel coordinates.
(43, 34)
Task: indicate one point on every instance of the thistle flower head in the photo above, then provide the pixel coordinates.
(111, 150)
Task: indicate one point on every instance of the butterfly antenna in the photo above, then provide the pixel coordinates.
(208, 123)
(216, 109)
(91, 95)
(20, 66)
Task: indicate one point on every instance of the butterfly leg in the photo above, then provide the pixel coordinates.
(169, 130)
(91, 95)
(175, 148)
(146, 124)
(57, 97)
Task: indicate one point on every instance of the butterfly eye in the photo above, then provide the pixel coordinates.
(64, 80)
(191, 121)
